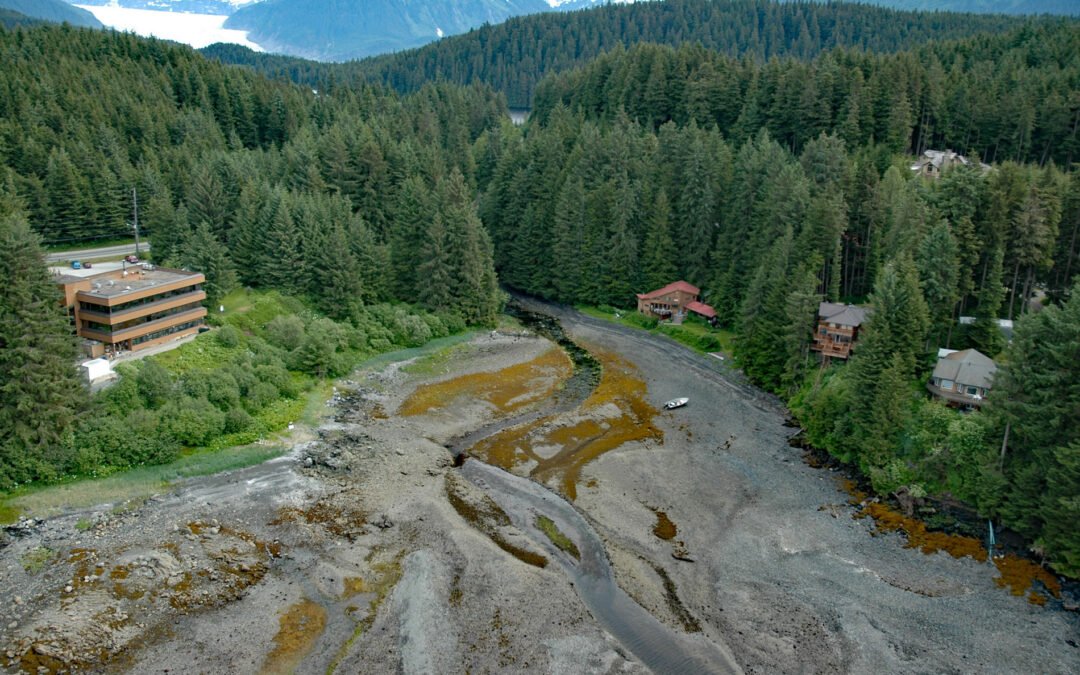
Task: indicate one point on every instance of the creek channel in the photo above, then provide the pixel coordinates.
(658, 646)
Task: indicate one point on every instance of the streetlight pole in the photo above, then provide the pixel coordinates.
(135, 201)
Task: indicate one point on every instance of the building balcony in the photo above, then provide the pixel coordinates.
(143, 328)
(144, 309)
(955, 397)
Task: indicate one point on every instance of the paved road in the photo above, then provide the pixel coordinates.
(94, 253)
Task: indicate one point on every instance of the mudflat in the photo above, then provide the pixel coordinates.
(370, 549)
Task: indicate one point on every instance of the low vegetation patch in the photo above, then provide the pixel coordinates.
(695, 334)
(34, 560)
(561, 541)
(267, 365)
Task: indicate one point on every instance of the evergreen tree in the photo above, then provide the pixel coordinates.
(412, 215)
(202, 252)
(892, 339)
(336, 286)
(436, 268)
(938, 262)
(658, 253)
(40, 391)
(1036, 397)
(800, 314)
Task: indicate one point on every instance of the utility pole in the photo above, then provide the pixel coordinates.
(135, 201)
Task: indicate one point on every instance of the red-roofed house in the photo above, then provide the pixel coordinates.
(674, 301)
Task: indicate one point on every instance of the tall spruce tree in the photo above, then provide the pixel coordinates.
(658, 252)
(892, 340)
(41, 393)
(938, 262)
(204, 253)
(1036, 397)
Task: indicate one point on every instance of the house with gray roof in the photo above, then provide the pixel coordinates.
(837, 329)
(934, 162)
(962, 378)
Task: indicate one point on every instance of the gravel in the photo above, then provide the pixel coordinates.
(200, 579)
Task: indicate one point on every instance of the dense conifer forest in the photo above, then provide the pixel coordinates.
(326, 200)
(652, 164)
(513, 56)
(771, 184)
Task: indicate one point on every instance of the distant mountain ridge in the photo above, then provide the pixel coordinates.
(56, 11)
(1057, 7)
(338, 30)
(224, 7)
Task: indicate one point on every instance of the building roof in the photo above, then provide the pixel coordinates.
(671, 288)
(968, 367)
(842, 315)
(941, 158)
(116, 283)
(701, 308)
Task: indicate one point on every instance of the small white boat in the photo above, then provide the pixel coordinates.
(676, 403)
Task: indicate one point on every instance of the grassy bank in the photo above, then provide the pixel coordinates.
(697, 335)
(227, 399)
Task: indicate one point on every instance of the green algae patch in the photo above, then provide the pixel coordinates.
(508, 390)
(299, 627)
(561, 541)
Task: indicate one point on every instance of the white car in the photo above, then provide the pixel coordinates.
(676, 403)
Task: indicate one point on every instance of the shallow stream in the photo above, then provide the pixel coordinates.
(658, 646)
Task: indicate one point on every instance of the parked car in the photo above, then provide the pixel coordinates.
(76, 265)
(133, 259)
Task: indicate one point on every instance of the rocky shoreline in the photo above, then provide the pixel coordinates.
(363, 550)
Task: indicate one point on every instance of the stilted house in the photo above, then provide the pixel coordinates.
(837, 329)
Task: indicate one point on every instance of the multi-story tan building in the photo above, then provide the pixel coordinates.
(134, 308)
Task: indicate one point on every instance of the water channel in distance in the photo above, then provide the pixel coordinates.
(658, 646)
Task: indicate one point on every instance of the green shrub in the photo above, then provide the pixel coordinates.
(237, 420)
(637, 319)
(155, 383)
(286, 331)
(192, 421)
(228, 337)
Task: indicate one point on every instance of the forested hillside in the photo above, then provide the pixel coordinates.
(331, 200)
(776, 186)
(271, 175)
(1064, 7)
(56, 11)
(513, 56)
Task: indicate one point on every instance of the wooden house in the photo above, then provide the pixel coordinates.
(674, 302)
(963, 377)
(837, 329)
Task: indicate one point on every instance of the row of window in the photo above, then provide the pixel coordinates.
(949, 385)
(166, 331)
(115, 328)
(105, 309)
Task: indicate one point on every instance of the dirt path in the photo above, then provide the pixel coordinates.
(366, 551)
